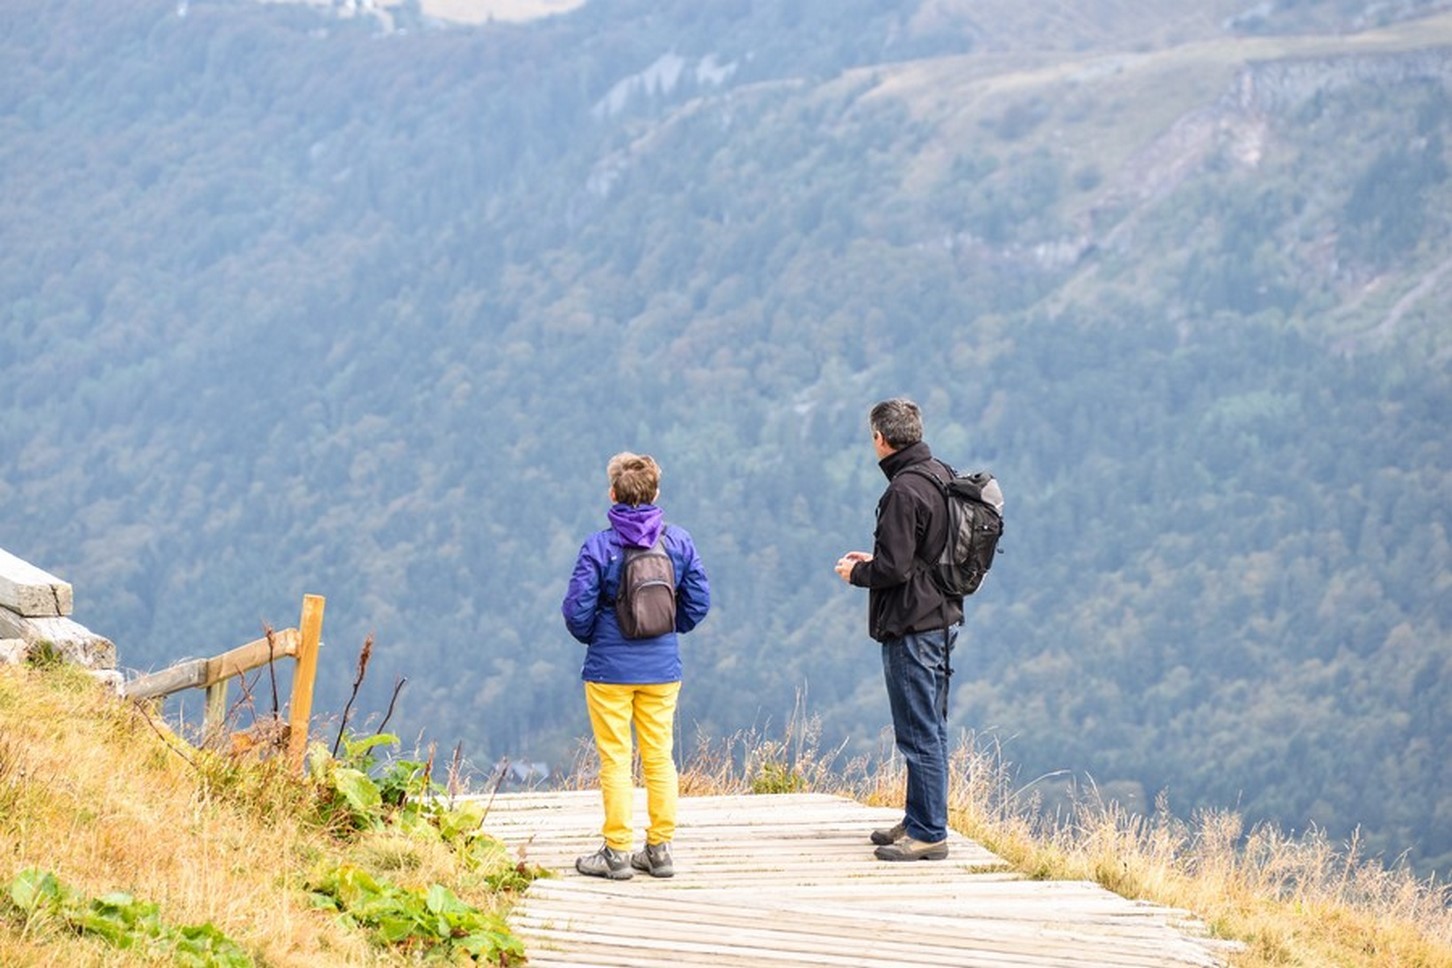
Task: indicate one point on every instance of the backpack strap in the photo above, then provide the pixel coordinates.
(922, 471)
(942, 486)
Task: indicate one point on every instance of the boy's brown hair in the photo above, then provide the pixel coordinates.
(635, 478)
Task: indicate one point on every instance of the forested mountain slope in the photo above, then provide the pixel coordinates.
(291, 305)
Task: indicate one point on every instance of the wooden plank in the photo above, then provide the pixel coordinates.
(785, 881)
(251, 656)
(203, 673)
(184, 675)
(32, 592)
(812, 930)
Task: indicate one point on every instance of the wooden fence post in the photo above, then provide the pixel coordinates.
(311, 632)
(214, 717)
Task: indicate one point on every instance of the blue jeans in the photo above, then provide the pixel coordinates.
(916, 668)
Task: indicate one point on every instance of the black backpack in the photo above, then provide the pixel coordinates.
(645, 599)
(975, 523)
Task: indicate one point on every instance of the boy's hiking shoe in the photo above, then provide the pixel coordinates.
(655, 860)
(606, 862)
(910, 849)
(889, 835)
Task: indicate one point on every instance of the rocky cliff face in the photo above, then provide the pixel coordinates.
(1283, 85)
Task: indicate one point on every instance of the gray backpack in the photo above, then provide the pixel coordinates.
(645, 599)
(975, 523)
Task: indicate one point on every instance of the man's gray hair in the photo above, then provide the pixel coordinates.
(899, 421)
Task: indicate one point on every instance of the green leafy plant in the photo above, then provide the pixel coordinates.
(122, 921)
(359, 793)
(431, 922)
(773, 775)
(349, 798)
(777, 778)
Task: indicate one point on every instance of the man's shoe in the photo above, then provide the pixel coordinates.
(655, 860)
(606, 862)
(889, 835)
(910, 849)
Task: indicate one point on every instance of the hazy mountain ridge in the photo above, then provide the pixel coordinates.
(295, 312)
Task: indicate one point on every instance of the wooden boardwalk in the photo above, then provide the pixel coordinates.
(790, 880)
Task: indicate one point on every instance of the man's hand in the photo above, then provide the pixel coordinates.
(848, 561)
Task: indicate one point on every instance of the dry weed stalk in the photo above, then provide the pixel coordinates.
(364, 655)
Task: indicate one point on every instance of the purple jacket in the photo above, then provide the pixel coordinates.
(589, 610)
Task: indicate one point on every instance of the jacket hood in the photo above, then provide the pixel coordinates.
(638, 526)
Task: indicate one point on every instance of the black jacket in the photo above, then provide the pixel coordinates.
(912, 526)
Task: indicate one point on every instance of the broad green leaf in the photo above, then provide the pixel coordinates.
(355, 786)
(395, 928)
(109, 925)
(354, 885)
(32, 887)
(204, 946)
(320, 900)
(356, 747)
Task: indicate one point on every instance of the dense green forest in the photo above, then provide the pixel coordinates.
(292, 303)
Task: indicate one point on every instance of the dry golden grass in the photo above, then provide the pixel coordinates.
(1291, 900)
(94, 792)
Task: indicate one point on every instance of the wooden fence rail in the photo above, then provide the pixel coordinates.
(216, 673)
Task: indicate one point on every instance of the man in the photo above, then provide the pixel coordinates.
(915, 622)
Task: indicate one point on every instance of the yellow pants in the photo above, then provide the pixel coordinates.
(652, 708)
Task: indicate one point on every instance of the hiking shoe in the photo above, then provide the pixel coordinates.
(606, 862)
(889, 835)
(910, 849)
(655, 860)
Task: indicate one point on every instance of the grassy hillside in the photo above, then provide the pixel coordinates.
(124, 845)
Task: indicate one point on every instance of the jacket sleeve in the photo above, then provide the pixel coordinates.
(894, 542)
(582, 595)
(693, 590)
